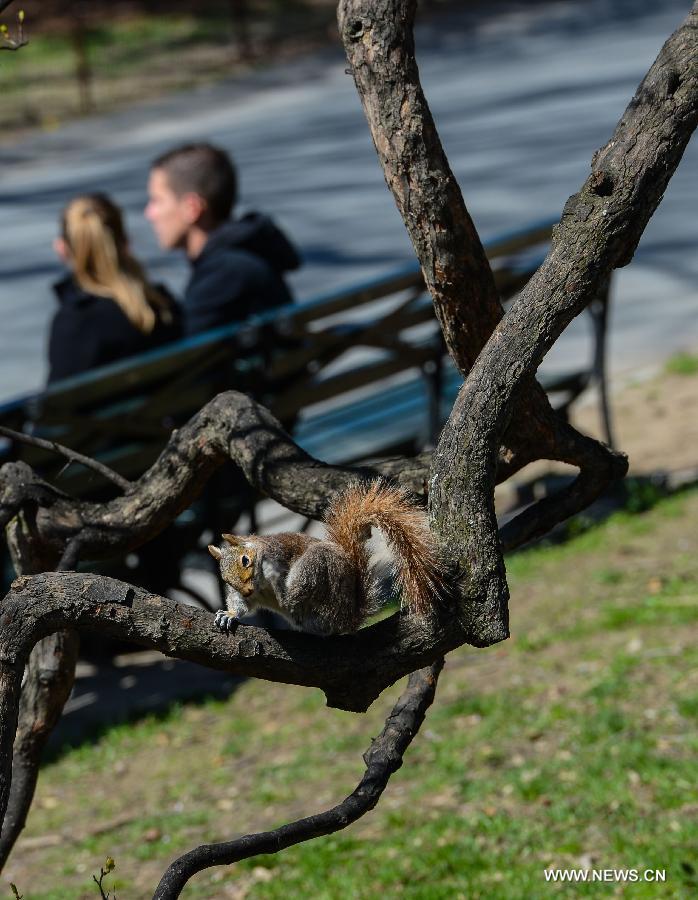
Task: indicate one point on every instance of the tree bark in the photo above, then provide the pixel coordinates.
(379, 42)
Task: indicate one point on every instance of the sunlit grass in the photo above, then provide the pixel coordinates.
(573, 744)
(682, 364)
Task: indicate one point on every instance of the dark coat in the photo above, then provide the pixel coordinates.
(89, 331)
(238, 274)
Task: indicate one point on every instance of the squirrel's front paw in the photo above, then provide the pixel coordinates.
(225, 621)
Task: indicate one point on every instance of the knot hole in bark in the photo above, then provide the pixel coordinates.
(672, 82)
(355, 29)
(601, 184)
(663, 87)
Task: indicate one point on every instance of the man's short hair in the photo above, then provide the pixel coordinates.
(204, 170)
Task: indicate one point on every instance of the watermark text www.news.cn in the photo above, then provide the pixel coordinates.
(608, 875)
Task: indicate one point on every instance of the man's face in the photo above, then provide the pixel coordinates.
(170, 215)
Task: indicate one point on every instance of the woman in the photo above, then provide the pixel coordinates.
(107, 308)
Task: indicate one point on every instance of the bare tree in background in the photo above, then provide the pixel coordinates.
(83, 70)
(500, 422)
(240, 18)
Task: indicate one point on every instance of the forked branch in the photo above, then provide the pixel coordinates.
(599, 231)
(71, 455)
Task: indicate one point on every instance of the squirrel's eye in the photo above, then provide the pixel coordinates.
(245, 560)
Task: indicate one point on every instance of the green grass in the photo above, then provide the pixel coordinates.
(39, 85)
(130, 56)
(682, 364)
(573, 743)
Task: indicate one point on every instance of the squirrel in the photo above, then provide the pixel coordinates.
(329, 586)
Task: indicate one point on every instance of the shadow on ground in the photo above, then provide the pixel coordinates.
(129, 687)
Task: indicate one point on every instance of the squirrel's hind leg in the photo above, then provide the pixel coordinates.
(320, 591)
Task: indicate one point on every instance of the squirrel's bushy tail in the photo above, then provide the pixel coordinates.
(417, 569)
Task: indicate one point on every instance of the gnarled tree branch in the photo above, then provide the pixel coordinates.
(48, 680)
(351, 669)
(383, 758)
(232, 426)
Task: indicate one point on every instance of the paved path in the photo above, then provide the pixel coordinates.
(521, 100)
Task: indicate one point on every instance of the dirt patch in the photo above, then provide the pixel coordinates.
(655, 420)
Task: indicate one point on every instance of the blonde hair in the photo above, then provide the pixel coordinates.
(93, 229)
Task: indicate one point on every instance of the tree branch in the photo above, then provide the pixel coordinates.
(383, 758)
(233, 427)
(351, 669)
(48, 680)
(123, 483)
(378, 39)
(49, 522)
(599, 468)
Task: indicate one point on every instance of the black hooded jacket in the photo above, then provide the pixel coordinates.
(238, 274)
(89, 331)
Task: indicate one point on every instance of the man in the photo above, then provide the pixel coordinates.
(236, 264)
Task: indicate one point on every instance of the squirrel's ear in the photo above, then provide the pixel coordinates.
(232, 539)
(214, 551)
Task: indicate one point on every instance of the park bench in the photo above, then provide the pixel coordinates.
(354, 374)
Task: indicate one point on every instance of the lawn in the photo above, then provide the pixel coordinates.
(571, 745)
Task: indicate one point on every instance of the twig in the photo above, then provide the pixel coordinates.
(382, 759)
(103, 872)
(70, 557)
(599, 468)
(71, 455)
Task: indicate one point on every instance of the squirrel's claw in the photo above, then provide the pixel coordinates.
(225, 621)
